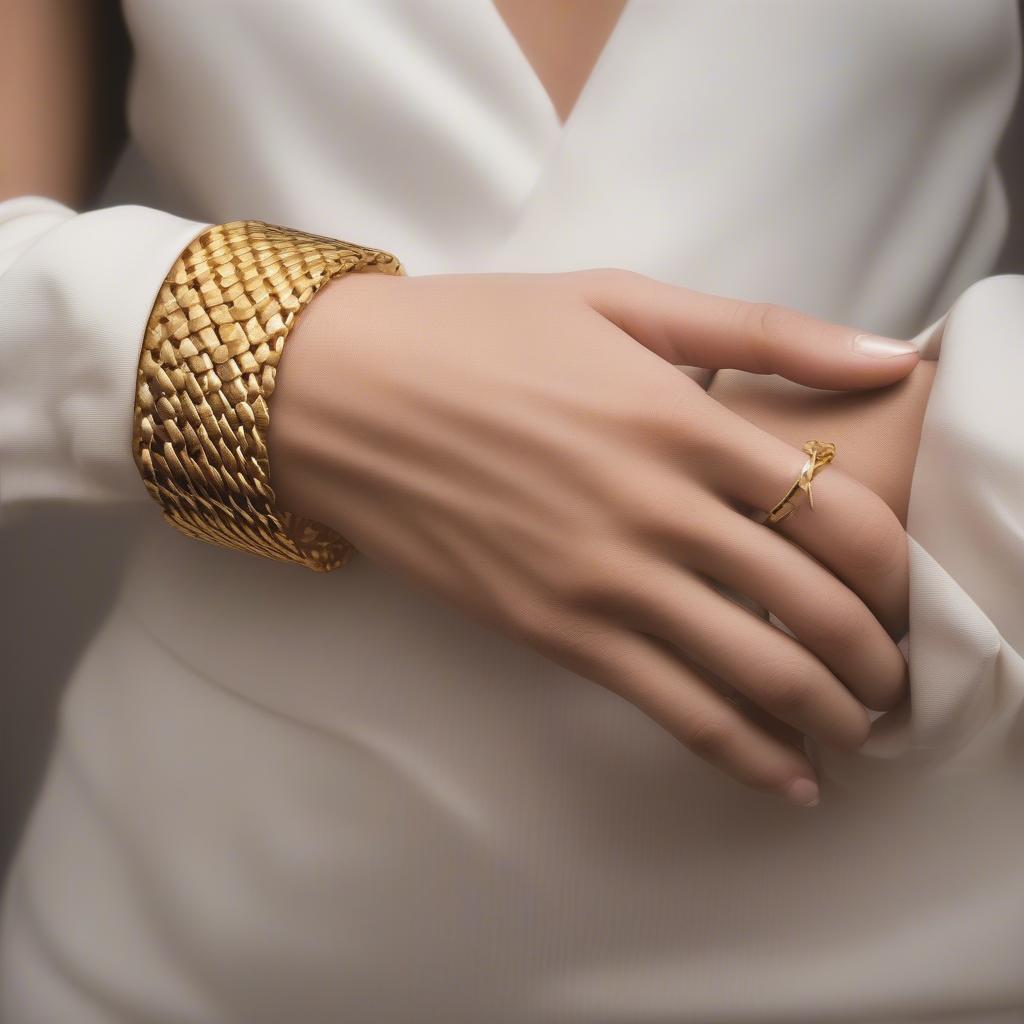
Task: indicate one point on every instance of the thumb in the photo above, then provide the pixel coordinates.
(696, 329)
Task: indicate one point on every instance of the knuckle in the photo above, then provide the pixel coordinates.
(649, 508)
(569, 639)
(660, 418)
(614, 561)
(708, 735)
(793, 697)
(661, 512)
(618, 588)
(592, 649)
(786, 687)
(593, 282)
(534, 623)
(670, 428)
(588, 580)
(584, 589)
(644, 422)
(619, 275)
(764, 317)
(761, 324)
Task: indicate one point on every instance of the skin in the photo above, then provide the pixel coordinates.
(877, 434)
(562, 40)
(523, 446)
(63, 67)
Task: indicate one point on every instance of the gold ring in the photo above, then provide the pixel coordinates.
(820, 453)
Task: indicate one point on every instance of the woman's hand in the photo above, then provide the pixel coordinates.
(523, 446)
(877, 434)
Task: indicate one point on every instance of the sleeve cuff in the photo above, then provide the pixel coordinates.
(75, 295)
(966, 549)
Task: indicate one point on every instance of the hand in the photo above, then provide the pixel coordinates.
(877, 434)
(522, 446)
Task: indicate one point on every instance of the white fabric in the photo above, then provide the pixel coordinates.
(73, 291)
(278, 796)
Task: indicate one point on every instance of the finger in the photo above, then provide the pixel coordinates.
(825, 615)
(765, 664)
(859, 537)
(650, 675)
(850, 530)
(715, 332)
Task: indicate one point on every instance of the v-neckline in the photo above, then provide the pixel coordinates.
(537, 83)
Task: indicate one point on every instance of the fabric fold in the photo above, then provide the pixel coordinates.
(966, 538)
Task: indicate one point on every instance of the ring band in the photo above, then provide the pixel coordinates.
(820, 453)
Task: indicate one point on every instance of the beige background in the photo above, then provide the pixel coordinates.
(79, 566)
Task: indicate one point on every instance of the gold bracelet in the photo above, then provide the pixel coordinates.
(206, 374)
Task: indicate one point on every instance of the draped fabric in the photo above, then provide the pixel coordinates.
(375, 810)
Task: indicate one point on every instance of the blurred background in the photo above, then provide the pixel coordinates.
(38, 645)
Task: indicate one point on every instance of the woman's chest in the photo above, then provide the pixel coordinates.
(795, 149)
(562, 40)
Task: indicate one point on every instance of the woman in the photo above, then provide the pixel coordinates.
(393, 792)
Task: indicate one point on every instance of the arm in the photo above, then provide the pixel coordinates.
(63, 67)
(75, 289)
(519, 443)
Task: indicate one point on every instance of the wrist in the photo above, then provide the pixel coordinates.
(319, 374)
(206, 376)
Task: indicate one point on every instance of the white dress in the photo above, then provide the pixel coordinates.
(372, 810)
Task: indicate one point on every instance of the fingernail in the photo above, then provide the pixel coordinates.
(803, 792)
(881, 348)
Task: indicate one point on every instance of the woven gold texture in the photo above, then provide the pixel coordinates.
(206, 375)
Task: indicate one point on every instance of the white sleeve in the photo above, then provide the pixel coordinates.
(966, 527)
(76, 291)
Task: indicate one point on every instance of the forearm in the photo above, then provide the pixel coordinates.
(63, 65)
(877, 432)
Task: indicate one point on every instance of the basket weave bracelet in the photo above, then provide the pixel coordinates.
(206, 375)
